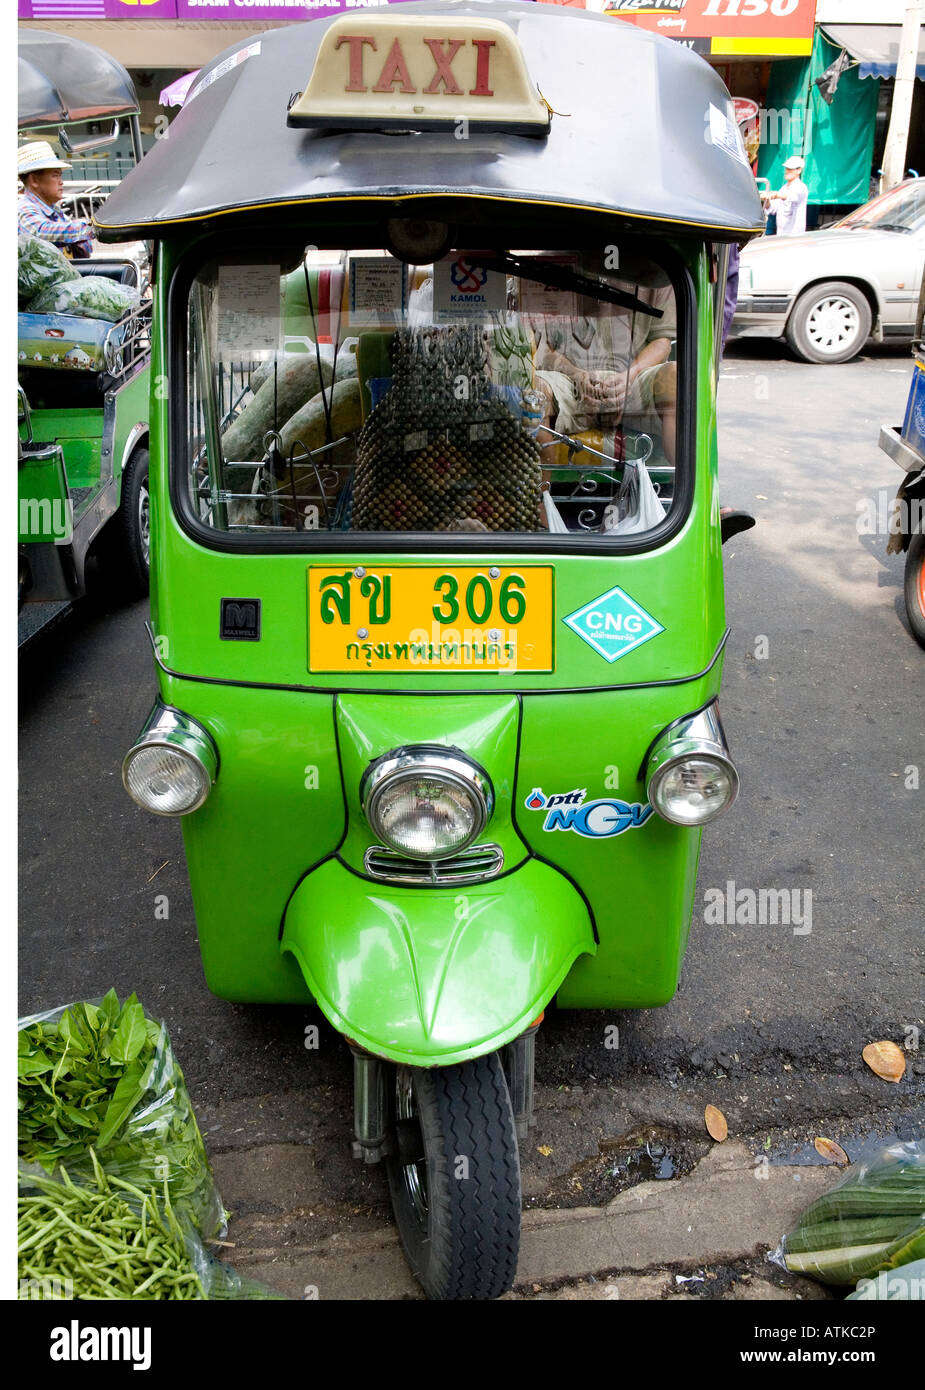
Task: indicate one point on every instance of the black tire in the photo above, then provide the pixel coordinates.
(125, 552)
(830, 323)
(914, 586)
(455, 1177)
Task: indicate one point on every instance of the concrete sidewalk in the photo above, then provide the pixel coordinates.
(729, 1209)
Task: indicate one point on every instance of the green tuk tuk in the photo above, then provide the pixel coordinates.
(84, 382)
(437, 597)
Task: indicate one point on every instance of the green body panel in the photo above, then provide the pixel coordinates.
(133, 407)
(43, 497)
(80, 434)
(435, 976)
(486, 729)
(287, 793)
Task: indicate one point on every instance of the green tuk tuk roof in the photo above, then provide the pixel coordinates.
(641, 126)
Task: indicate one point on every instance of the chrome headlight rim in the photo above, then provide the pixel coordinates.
(171, 729)
(697, 736)
(443, 763)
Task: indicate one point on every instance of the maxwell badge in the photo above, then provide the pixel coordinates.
(613, 624)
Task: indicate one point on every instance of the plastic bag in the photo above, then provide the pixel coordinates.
(41, 265)
(105, 1238)
(873, 1220)
(97, 1074)
(905, 1283)
(88, 297)
(637, 503)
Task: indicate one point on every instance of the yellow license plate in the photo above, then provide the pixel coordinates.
(430, 618)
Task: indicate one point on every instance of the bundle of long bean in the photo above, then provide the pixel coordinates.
(93, 1243)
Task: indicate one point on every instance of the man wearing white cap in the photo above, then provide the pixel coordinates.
(789, 203)
(43, 185)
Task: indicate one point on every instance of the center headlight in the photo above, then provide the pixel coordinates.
(428, 802)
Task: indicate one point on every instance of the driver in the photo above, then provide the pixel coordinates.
(39, 214)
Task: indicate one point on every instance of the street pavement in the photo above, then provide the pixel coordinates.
(822, 703)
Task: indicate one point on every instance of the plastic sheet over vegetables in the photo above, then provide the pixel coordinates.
(872, 1221)
(41, 265)
(105, 1075)
(116, 1198)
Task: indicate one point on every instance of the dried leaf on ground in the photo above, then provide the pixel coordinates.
(716, 1123)
(885, 1060)
(830, 1150)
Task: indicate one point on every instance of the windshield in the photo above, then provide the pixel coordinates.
(513, 391)
(900, 210)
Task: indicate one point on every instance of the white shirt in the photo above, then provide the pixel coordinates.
(791, 209)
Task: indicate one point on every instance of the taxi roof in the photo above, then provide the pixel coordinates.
(643, 127)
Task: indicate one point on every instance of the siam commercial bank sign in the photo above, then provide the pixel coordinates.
(226, 10)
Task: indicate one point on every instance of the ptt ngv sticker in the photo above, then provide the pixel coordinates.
(600, 819)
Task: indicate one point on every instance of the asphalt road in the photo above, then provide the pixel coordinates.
(822, 702)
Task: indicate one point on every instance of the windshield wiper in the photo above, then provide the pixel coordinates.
(889, 227)
(559, 277)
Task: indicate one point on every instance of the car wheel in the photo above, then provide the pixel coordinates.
(829, 323)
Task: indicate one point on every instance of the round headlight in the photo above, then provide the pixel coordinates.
(693, 790)
(426, 803)
(166, 780)
(173, 764)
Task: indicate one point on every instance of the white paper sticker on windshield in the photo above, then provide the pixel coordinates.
(241, 56)
(378, 291)
(466, 291)
(723, 131)
(248, 310)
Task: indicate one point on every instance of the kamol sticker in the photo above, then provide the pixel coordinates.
(613, 624)
(600, 819)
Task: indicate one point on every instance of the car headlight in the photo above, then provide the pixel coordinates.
(428, 801)
(690, 778)
(171, 768)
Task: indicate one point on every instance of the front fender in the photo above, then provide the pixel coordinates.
(432, 976)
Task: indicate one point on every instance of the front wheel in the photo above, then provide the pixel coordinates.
(454, 1176)
(914, 586)
(829, 323)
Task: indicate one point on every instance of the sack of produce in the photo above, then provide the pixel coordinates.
(103, 1075)
(873, 1220)
(41, 265)
(108, 1238)
(88, 297)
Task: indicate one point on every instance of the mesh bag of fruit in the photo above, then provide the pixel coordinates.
(442, 451)
(873, 1220)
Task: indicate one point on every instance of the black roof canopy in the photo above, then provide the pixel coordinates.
(64, 80)
(646, 129)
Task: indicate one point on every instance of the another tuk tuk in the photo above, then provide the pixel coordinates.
(905, 444)
(83, 381)
(437, 595)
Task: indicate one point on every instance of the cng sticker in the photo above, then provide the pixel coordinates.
(613, 624)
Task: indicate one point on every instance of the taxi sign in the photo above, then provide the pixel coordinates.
(414, 73)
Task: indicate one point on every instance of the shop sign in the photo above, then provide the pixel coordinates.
(726, 27)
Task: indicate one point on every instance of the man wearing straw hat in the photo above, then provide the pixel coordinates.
(43, 184)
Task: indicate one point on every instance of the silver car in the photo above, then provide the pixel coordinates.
(827, 292)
